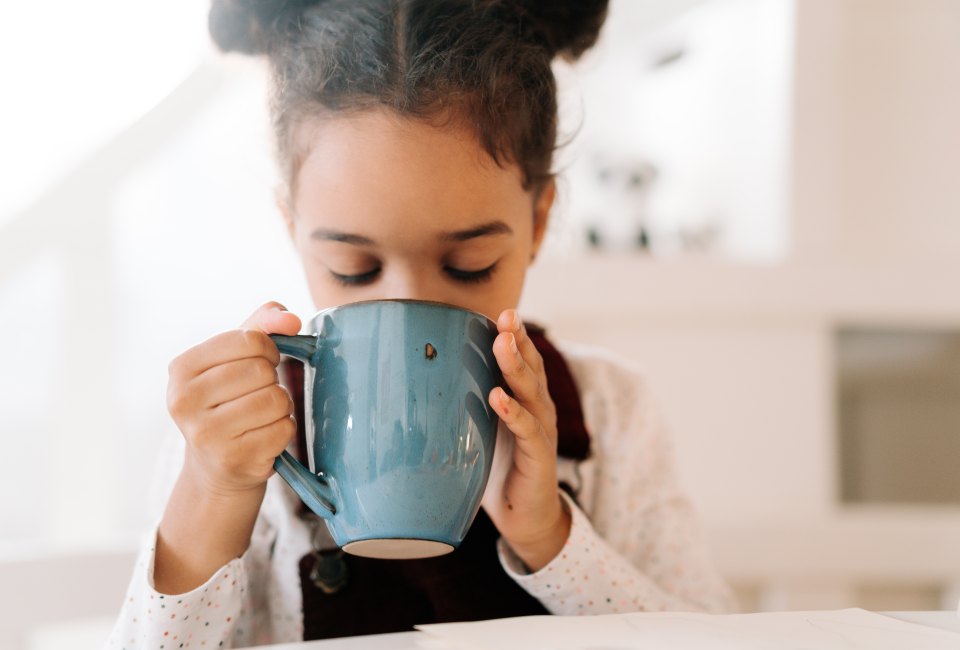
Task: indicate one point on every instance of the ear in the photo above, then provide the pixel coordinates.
(281, 196)
(541, 214)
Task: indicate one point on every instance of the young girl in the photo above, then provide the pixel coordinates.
(415, 139)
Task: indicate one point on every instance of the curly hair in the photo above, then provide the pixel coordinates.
(481, 64)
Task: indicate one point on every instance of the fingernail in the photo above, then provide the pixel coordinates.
(516, 320)
(513, 344)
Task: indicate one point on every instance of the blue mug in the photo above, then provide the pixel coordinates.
(399, 434)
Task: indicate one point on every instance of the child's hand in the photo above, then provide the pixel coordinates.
(225, 396)
(522, 497)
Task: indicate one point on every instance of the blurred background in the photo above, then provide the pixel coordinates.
(759, 209)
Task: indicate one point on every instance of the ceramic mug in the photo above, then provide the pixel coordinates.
(399, 434)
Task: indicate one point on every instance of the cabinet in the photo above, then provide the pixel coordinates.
(744, 360)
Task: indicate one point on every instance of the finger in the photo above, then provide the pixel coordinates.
(528, 386)
(266, 442)
(252, 411)
(273, 318)
(533, 443)
(223, 348)
(509, 321)
(252, 454)
(232, 380)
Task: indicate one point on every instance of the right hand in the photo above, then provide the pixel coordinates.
(225, 396)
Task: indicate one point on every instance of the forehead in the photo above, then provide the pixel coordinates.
(369, 167)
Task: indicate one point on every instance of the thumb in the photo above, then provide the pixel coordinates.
(273, 318)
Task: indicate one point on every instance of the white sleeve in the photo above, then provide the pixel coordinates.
(641, 548)
(228, 611)
(590, 577)
(210, 615)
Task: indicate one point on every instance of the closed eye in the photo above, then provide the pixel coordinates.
(470, 276)
(358, 279)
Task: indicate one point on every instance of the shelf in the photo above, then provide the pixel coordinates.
(641, 289)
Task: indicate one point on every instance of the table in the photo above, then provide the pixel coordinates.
(946, 620)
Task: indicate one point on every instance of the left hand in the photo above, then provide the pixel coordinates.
(522, 497)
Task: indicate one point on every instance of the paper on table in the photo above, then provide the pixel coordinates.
(849, 629)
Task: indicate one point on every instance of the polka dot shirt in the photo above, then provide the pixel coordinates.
(634, 543)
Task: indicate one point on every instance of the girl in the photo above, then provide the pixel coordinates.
(415, 139)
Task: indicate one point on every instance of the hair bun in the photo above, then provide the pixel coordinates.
(249, 26)
(567, 28)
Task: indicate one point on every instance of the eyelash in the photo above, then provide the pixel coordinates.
(469, 277)
(354, 280)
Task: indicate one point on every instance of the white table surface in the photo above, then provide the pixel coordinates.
(947, 620)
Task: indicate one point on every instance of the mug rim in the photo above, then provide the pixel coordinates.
(415, 301)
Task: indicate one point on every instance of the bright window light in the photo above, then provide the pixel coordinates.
(76, 74)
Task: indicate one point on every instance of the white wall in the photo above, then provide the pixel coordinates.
(165, 236)
(876, 138)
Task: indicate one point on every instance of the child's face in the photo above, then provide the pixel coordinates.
(387, 207)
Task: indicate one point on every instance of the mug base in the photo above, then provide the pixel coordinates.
(397, 548)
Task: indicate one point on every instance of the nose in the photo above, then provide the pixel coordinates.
(415, 284)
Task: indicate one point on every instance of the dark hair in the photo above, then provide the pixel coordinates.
(484, 64)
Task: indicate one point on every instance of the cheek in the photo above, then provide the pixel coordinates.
(324, 291)
(504, 292)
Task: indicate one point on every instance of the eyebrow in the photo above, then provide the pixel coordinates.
(347, 238)
(483, 230)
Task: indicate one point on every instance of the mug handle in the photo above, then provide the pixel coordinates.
(316, 491)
